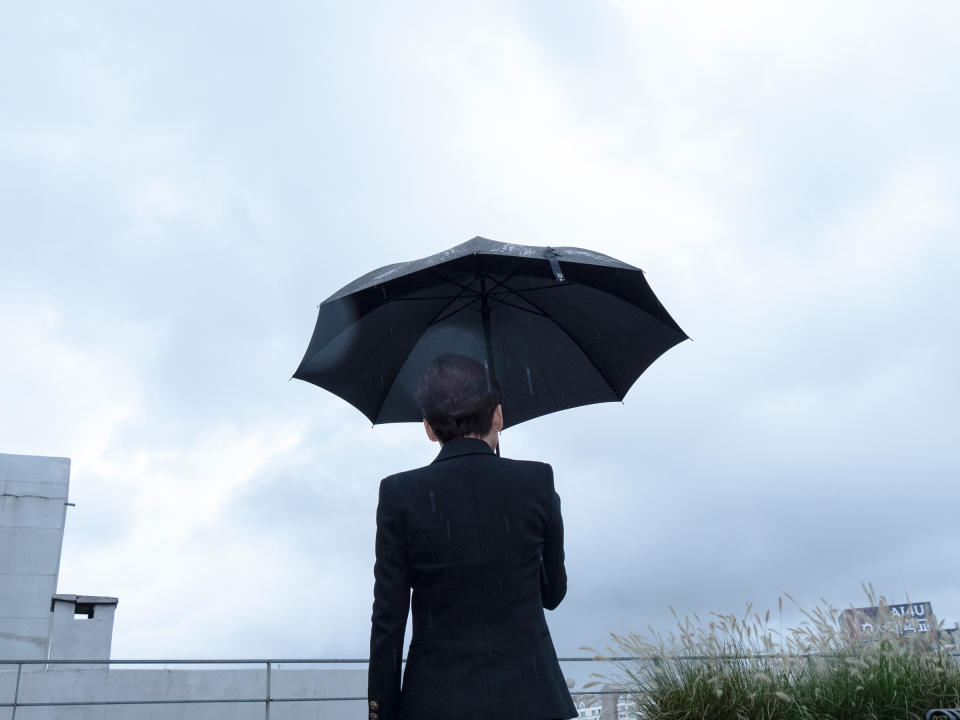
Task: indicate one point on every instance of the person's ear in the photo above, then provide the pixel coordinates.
(430, 433)
(498, 418)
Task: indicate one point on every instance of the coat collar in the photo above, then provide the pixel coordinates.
(463, 446)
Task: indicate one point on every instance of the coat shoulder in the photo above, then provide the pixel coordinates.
(391, 482)
(405, 478)
(531, 467)
(531, 471)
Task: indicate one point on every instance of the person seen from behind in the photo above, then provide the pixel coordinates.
(478, 541)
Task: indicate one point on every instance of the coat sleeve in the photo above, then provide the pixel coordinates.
(553, 575)
(391, 603)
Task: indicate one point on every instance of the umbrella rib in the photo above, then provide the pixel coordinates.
(469, 287)
(646, 312)
(537, 312)
(530, 289)
(440, 317)
(543, 313)
(579, 346)
(525, 263)
(464, 288)
(507, 290)
(437, 319)
(503, 282)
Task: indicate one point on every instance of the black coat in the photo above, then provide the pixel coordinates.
(479, 539)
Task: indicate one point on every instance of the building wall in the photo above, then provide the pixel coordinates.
(82, 627)
(62, 684)
(33, 497)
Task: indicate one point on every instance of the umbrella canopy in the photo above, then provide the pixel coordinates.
(558, 328)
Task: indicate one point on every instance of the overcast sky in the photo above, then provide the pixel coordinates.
(182, 183)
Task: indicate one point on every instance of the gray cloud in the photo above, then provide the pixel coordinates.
(177, 198)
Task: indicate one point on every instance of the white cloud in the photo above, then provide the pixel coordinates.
(66, 389)
(785, 174)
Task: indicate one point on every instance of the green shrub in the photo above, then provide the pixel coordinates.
(741, 668)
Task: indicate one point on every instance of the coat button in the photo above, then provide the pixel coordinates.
(373, 716)
(373, 705)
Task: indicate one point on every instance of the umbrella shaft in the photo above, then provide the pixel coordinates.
(485, 316)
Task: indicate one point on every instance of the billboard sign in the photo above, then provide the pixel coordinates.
(905, 619)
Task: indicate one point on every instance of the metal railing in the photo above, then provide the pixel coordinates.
(267, 699)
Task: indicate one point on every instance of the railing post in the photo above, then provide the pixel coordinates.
(16, 692)
(267, 703)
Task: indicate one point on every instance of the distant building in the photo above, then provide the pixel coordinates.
(626, 708)
(35, 622)
(589, 707)
(610, 704)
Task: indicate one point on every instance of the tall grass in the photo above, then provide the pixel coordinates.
(732, 667)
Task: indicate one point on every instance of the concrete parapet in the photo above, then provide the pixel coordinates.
(33, 503)
(61, 684)
(82, 628)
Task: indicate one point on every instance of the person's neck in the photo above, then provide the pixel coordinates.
(491, 438)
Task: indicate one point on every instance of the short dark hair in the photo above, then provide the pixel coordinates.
(457, 397)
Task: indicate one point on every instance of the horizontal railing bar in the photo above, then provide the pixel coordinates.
(364, 661)
(323, 699)
(86, 703)
(180, 661)
(89, 703)
(601, 692)
(94, 703)
(287, 661)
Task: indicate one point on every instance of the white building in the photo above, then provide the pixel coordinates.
(608, 705)
(35, 622)
(37, 625)
(626, 708)
(589, 707)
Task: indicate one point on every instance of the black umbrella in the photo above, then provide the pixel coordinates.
(558, 327)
